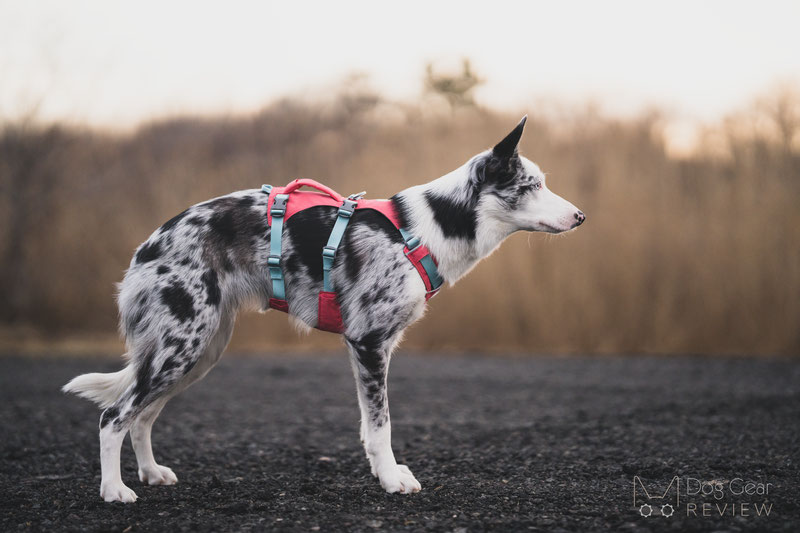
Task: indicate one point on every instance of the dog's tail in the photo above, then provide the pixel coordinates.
(103, 389)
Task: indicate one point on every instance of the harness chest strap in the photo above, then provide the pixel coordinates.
(423, 261)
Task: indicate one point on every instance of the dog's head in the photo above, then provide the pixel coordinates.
(513, 190)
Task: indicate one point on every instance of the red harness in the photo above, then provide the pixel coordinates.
(330, 315)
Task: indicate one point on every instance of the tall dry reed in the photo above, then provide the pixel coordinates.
(679, 254)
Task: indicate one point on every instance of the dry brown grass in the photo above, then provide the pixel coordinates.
(692, 254)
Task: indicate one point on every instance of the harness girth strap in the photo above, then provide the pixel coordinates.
(276, 237)
(329, 252)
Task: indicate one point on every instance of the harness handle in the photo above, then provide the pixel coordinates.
(296, 184)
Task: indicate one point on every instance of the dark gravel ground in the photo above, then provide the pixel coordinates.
(501, 444)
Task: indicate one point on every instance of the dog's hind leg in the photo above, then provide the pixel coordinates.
(112, 433)
(167, 365)
(135, 410)
(369, 357)
(150, 472)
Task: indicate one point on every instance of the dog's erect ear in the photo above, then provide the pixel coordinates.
(508, 146)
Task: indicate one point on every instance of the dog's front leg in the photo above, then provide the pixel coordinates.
(370, 359)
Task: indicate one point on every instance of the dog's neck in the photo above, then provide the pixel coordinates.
(457, 227)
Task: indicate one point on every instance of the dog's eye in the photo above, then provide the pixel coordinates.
(537, 185)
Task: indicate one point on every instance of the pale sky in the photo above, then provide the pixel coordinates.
(117, 63)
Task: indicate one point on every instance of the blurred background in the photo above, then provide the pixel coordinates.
(675, 127)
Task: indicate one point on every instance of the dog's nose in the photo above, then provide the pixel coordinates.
(580, 217)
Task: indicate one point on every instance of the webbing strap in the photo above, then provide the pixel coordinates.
(427, 262)
(277, 211)
(329, 252)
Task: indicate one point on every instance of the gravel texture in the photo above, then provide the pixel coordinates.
(502, 444)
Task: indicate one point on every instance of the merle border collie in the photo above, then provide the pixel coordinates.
(185, 284)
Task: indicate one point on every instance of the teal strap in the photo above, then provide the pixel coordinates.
(277, 211)
(427, 261)
(429, 265)
(329, 252)
(411, 241)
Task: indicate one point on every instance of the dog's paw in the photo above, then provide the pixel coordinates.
(398, 478)
(157, 475)
(117, 492)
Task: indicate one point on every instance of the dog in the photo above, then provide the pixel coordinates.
(187, 281)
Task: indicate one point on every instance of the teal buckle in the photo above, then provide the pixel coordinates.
(266, 188)
(279, 205)
(274, 263)
(413, 243)
(348, 206)
(328, 257)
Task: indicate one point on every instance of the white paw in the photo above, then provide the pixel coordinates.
(117, 492)
(158, 475)
(398, 478)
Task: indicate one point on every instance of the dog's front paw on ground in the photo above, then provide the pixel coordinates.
(158, 475)
(398, 479)
(117, 492)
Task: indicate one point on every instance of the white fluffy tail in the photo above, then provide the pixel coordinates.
(103, 389)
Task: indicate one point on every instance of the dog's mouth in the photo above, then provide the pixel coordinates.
(547, 228)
